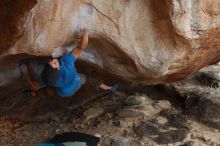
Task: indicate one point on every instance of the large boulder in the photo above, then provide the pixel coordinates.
(144, 41)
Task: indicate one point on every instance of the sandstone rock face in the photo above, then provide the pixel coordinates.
(144, 41)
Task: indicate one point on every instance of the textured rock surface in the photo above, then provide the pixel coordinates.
(202, 94)
(205, 109)
(148, 41)
(142, 108)
(174, 130)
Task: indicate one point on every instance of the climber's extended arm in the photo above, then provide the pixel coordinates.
(82, 44)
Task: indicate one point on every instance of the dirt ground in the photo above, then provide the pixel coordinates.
(107, 123)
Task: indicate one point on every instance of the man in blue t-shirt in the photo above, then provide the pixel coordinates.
(61, 73)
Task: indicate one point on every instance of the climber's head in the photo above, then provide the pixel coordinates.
(51, 72)
(54, 63)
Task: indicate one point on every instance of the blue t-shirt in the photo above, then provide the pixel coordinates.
(68, 81)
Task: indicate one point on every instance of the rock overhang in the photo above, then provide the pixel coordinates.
(148, 42)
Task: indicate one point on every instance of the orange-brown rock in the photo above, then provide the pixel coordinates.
(143, 41)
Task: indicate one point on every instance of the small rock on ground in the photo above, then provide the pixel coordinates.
(93, 112)
(120, 142)
(134, 100)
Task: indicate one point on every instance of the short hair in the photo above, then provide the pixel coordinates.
(50, 75)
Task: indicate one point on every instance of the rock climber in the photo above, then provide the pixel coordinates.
(60, 73)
